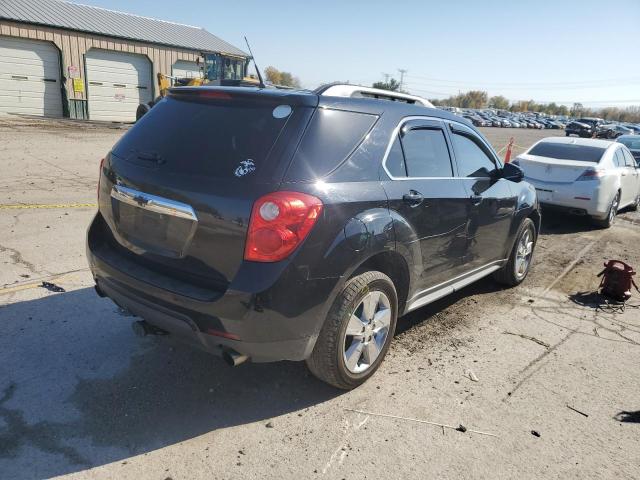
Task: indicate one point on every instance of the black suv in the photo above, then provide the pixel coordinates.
(288, 225)
(583, 127)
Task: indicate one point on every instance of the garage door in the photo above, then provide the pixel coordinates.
(116, 84)
(184, 69)
(29, 77)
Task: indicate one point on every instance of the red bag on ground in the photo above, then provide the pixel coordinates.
(617, 279)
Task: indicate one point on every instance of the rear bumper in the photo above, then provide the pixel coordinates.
(581, 198)
(268, 315)
(184, 329)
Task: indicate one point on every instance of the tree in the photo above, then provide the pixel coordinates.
(277, 77)
(392, 84)
(577, 109)
(273, 75)
(478, 99)
(475, 99)
(499, 102)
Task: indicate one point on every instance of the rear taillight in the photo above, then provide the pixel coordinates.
(590, 174)
(279, 222)
(99, 177)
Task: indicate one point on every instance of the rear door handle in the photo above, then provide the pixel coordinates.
(413, 198)
(476, 199)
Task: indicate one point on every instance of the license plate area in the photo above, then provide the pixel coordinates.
(152, 224)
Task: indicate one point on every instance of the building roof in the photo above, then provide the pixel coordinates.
(73, 16)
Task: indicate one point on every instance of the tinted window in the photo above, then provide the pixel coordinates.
(395, 160)
(618, 158)
(567, 151)
(472, 160)
(330, 137)
(426, 153)
(205, 138)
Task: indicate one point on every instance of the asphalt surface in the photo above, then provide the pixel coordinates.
(82, 397)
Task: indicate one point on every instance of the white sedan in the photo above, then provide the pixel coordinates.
(583, 176)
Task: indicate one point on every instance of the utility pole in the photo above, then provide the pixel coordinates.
(386, 77)
(402, 72)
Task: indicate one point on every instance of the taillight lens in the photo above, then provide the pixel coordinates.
(590, 174)
(279, 222)
(99, 177)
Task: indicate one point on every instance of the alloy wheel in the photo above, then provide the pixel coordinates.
(524, 253)
(367, 331)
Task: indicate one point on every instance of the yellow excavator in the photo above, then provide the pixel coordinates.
(165, 82)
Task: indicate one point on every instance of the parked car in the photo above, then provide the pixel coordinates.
(635, 128)
(301, 226)
(583, 176)
(584, 130)
(632, 142)
(612, 131)
(477, 121)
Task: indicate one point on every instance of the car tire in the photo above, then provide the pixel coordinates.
(519, 263)
(611, 215)
(635, 205)
(142, 110)
(332, 359)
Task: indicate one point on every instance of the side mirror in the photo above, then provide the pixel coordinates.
(512, 172)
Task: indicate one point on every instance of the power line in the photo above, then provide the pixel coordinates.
(402, 74)
(514, 87)
(614, 81)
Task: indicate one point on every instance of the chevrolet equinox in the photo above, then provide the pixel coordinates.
(270, 225)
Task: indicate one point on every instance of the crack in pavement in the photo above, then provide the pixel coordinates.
(16, 258)
(529, 370)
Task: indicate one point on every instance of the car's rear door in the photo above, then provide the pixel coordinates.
(632, 176)
(431, 203)
(491, 200)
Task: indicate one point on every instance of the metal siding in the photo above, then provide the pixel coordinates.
(74, 46)
(100, 21)
(186, 69)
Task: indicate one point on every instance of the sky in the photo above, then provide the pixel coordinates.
(547, 50)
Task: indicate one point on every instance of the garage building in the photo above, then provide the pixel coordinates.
(59, 58)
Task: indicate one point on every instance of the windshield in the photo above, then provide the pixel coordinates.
(567, 151)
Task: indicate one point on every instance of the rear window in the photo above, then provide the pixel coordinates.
(217, 138)
(567, 151)
(332, 135)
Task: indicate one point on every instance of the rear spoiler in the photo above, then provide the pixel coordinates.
(268, 95)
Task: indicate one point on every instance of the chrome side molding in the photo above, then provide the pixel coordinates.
(432, 294)
(153, 203)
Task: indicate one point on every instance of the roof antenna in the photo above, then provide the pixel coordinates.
(262, 85)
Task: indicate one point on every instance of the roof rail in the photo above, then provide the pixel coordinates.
(358, 91)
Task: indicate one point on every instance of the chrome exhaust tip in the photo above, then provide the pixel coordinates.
(233, 358)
